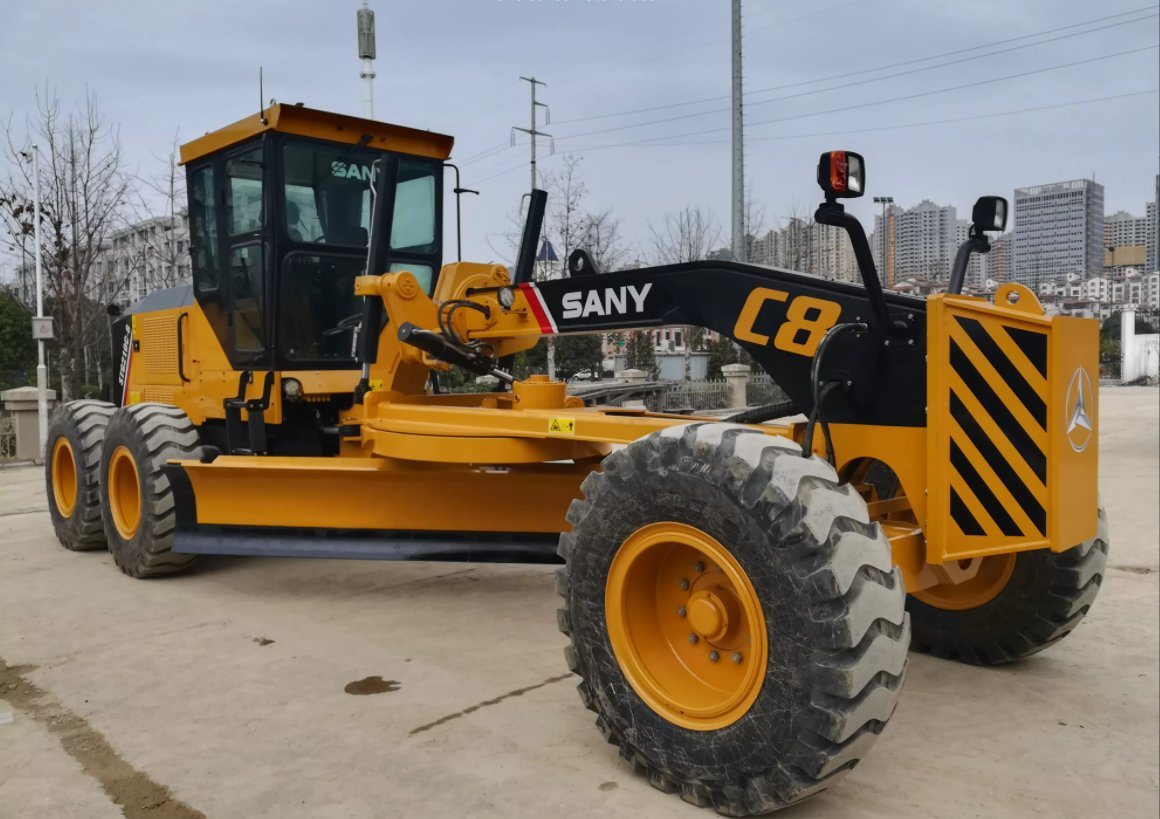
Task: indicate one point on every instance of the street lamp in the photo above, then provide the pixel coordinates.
(884, 201)
(41, 326)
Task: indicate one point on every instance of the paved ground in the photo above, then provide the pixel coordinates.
(234, 691)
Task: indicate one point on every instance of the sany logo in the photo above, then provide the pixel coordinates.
(607, 302)
(351, 171)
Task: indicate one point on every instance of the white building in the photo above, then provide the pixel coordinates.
(1059, 229)
(807, 247)
(920, 242)
(149, 255)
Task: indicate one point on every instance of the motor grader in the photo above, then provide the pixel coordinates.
(738, 596)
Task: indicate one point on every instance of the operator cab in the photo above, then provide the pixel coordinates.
(280, 209)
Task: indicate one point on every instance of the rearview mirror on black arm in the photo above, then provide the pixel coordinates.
(989, 214)
(842, 174)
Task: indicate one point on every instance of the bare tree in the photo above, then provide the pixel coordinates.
(685, 236)
(602, 240)
(157, 255)
(754, 215)
(84, 190)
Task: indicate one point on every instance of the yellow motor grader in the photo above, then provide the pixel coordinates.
(739, 595)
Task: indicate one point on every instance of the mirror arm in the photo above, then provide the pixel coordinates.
(832, 213)
(977, 242)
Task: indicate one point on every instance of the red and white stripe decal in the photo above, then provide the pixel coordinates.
(539, 309)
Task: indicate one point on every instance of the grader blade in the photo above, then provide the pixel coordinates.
(369, 509)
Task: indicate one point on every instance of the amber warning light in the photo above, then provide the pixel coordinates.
(842, 174)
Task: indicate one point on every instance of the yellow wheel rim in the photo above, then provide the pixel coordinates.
(124, 492)
(64, 477)
(686, 626)
(992, 577)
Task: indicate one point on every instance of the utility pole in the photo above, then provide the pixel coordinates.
(739, 253)
(366, 53)
(41, 327)
(533, 133)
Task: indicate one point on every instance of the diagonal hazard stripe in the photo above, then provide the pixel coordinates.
(1018, 357)
(981, 489)
(1027, 439)
(1033, 345)
(1008, 489)
(960, 489)
(996, 384)
(1005, 368)
(961, 515)
(1030, 491)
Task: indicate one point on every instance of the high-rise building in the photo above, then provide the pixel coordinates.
(1154, 245)
(808, 247)
(1122, 229)
(1059, 229)
(920, 242)
(1001, 258)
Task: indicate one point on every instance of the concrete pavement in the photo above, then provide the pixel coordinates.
(287, 688)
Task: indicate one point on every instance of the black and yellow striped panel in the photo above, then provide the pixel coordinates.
(998, 430)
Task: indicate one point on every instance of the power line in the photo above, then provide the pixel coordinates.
(843, 86)
(902, 126)
(916, 95)
(649, 109)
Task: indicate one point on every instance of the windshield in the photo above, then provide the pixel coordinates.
(327, 190)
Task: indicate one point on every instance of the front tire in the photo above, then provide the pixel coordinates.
(136, 497)
(804, 590)
(1018, 604)
(72, 469)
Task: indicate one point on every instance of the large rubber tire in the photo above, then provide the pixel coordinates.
(81, 425)
(1045, 598)
(150, 434)
(836, 630)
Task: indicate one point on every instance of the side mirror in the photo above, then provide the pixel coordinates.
(842, 174)
(989, 214)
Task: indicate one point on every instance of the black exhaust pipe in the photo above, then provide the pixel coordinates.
(526, 262)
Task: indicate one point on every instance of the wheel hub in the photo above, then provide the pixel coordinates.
(64, 477)
(124, 492)
(677, 603)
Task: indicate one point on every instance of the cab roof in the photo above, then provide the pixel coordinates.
(311, 122)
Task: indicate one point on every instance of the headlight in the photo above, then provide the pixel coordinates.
(292, 389)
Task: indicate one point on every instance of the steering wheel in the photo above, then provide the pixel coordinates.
(347, 325)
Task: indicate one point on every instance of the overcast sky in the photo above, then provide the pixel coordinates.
(166, 67)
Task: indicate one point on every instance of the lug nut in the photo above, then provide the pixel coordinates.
(693, 639)
(684, 584)
(699, 567)
(680, 611)
(737, 658)
(714, 656)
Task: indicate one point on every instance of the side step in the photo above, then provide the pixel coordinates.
(473, 547)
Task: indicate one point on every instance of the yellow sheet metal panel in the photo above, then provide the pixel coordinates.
(996, 431)
(378, 493)
(311, 122)
(1074, 429)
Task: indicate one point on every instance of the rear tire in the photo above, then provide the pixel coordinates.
(1044, 599)
(137, 503)
(834, 637)
(72, 468)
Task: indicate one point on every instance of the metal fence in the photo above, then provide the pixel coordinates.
(761, 391)
(7, 437)
(691, 396)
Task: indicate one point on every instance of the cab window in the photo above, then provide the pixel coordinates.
(327, 193)
(413, 225)
(203, 229)
(244, 193)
